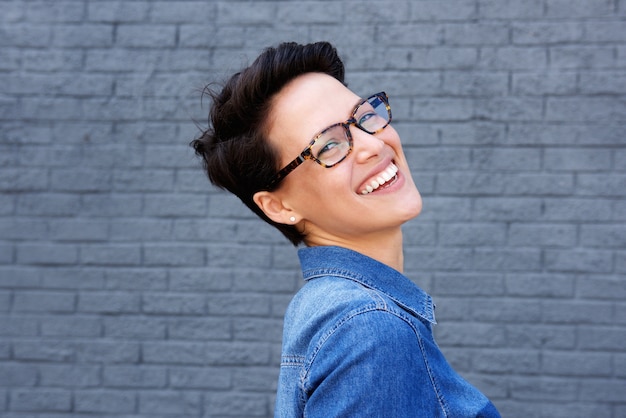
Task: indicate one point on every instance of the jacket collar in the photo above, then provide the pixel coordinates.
(342, 262)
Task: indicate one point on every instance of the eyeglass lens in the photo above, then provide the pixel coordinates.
(333, 144)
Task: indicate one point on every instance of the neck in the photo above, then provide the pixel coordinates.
(385, 247)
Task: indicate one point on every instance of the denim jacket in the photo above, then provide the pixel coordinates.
(358, 343)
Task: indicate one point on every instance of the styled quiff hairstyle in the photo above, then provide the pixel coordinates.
(235, 151)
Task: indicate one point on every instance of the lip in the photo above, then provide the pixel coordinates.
(391, 185)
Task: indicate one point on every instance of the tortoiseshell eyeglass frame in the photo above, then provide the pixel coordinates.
(306, 154)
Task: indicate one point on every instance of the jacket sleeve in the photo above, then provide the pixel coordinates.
(371, 365)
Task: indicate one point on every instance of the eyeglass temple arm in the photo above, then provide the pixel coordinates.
(286, 170)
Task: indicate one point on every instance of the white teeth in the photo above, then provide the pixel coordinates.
(382, 178)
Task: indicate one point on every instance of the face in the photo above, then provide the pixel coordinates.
(345, 202)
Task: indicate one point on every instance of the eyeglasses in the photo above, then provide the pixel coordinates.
(333, 144)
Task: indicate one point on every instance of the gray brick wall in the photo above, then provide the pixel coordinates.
(130, 288)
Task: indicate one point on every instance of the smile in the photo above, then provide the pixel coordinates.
(383, 179)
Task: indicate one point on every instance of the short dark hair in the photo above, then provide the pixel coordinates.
(236, 153)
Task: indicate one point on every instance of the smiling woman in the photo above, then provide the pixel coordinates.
(358, 336)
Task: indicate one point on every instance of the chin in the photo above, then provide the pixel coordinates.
(412, 207)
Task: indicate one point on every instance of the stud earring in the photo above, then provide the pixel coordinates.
(292, 219)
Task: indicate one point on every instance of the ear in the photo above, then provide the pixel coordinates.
(273, 207)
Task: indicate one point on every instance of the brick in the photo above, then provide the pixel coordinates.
(15, 180)
(601, 185)
(604, 236)
(577, 364)
(83, 35)
(41, 400)
(449, 259)
(199, 328)
(543, 33)
(472, 234)
(26, 35)
(104, 401)
(236, 404)
(70, 375)
(544, 83)
(231, 254)
(107, 352)
(475, 83)
(442, 158)
(601, 337)
(178, 255)
(175, 205)
(134, 377)
(582, 57)
(591, 108)
(513, 58)
(174, 353)
(309, 12)
(578, 261)
(508, 310)
(577, 312)
(412, 34)
(206, 378)
(48, 204)
(605, 82)
(136, 328)
(75, 326)
(507, 361)
(511, 209)
(62, 11)
(47, 254)
(463, 284)
(111, 205)
(141, 35)
(510, 9)
(201, 279)
(173, 304)
(543, 235)
(559, 337)
(476, 34)
(511, 259)
(182, 12)
(543, 389)
(110, 254)
(71, 278)
(572, 209)
(108, 302)
(79, 230)
(476, 335)
(16, 375)
(258, 329)
(473, 133)
(254, 13)
(601, 287)
(52, 59)
(606, 390)
(515, 109)
(23, 229)
(255, 378)
(60, 302)
(578, 8)
(248, 305)
(449, 10)
(117, 11)
(38, 350)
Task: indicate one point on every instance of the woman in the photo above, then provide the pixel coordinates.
(324, 166)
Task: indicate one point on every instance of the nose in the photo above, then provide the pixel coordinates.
(365, 145)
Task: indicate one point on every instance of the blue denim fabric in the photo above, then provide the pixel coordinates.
(358, 343)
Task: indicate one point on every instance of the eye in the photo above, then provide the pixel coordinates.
(365, 117)
(330, 146)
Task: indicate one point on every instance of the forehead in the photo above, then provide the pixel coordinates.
(305, 106)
